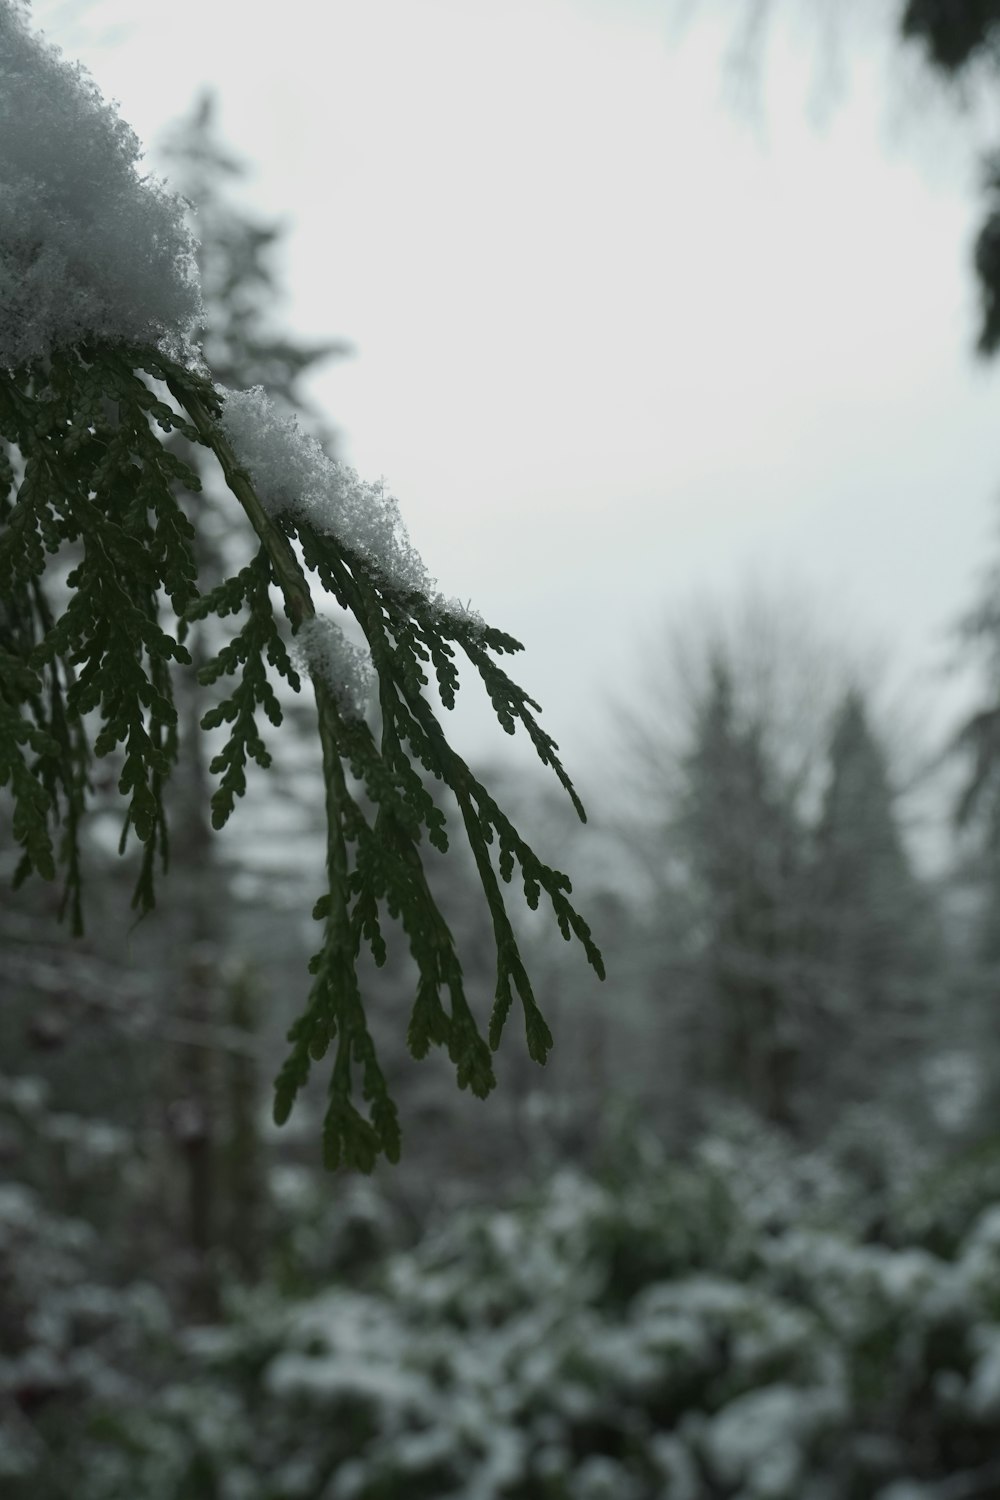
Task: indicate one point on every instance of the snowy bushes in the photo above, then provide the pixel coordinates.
(519, 1354)
(74, 1342)
(638, 1335)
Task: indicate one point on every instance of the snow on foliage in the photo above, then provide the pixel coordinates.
(324, 651)
(588, 1343)
(92, 249)
(628, 1337)
(89, 247)
(293, 475)
(762, 1438)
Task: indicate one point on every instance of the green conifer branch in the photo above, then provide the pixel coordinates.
(98, 480)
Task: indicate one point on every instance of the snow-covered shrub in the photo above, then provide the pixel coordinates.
(511, 1355)
(73, 1348)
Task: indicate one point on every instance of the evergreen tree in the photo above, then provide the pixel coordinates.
(978, 739)
(977, 818)
(873, 931)
(792, 947)
(742, 848)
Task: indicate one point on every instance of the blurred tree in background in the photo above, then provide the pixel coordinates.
(239, 280)
(877, 938)
(795, 944)
(745, 868)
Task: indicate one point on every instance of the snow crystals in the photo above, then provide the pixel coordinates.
(322, 648)
(293, 476)
(89, 248)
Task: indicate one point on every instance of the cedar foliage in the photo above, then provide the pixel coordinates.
(97, 676)
(102, 578)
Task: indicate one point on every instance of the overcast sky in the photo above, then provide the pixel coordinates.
(618, 344)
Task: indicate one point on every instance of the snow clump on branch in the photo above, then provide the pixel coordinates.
(293, 476)
(323, 650)
(89, 248)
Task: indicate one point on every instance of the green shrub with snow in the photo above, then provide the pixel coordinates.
(99, 582)
(75, 1340)
(647, 1332)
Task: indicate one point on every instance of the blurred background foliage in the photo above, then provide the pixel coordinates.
(741, 1239)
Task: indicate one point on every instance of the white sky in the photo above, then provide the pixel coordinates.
(616, 346)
